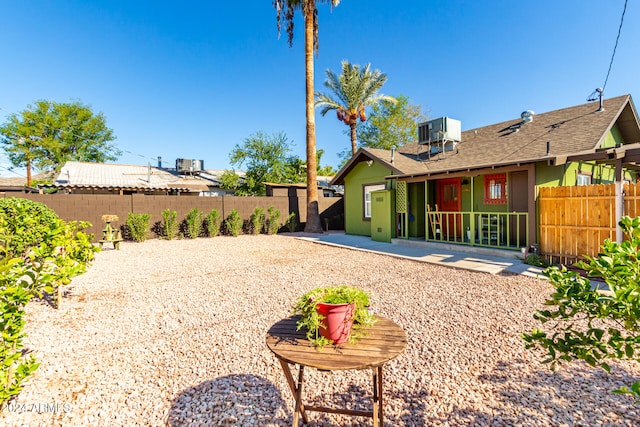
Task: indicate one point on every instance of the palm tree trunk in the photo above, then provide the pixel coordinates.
(28, 172)
(313, 224)
(354, 141)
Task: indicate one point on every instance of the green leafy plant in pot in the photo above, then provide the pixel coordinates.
(334, 314)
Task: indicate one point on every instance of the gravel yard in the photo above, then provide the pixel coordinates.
(173, 333)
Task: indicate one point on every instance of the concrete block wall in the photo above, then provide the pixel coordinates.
(91, 207)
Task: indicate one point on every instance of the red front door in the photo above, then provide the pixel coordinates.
(448, 198)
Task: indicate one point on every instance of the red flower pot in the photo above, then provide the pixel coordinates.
(337, 321)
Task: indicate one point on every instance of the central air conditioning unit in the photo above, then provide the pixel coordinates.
(189, 166)
(438, 130)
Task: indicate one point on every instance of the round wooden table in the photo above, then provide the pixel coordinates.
(382, 342)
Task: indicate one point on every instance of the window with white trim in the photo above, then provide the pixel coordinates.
(367, 190)
(583, 179)
(495, 189)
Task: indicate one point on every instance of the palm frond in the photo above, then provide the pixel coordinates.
(326, 103)
(351, 92)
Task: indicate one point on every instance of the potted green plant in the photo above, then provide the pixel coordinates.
(334, 314)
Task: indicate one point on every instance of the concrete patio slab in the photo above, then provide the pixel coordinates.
(468, 258)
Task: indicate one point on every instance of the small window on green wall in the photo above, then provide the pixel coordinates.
(367, 189)
(495, 189)
(583, 178)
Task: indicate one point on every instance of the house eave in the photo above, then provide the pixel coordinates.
(357, 158)
(471, 170)
(628, 153)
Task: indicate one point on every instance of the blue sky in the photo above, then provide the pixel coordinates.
(191, 79)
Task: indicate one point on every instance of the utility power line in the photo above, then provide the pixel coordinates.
(615, 46)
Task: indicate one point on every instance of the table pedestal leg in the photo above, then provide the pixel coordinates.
(297, 392)
(378, 413)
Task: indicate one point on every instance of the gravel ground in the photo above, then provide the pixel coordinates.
(172, 333)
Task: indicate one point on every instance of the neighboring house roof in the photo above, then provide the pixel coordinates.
(568, 131)
(20, 183)
(324, 183)
(131, 177)
(322, 180)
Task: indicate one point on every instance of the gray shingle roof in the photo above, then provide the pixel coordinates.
(569, 131)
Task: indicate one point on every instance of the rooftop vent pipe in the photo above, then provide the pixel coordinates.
(600, 92)
(527, 116)
(393, 152)
(597, 94)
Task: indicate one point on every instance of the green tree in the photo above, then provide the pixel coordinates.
(266, 158)
(285, 13)
(352, 92)
(391, 123)
(230, 180)
(324, 170)
(589, 324)
(47, 134)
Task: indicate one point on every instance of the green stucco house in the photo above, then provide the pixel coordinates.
(478, 187)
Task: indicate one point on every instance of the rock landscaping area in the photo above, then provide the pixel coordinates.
(173, 333)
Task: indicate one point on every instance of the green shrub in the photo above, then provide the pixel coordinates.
(273, 222)
(234, 223)
(292, 222)
(26, 224)
(138, 225)
(257, 220)
(588, 324)
(170, 219)
(535, 260)
(15, 366)
(213, 223)
(31, 264)
(194, 223)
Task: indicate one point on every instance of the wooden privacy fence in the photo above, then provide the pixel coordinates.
(575, 221)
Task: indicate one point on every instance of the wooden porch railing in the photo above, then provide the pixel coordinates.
(505, 230)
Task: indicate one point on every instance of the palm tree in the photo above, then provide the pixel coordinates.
(354, 90)
(285, 12)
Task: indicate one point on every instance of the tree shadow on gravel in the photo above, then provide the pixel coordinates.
(233, 400)
(546, 398)
(50, 299)
(537, 398)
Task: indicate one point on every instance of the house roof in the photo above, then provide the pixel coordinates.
(132, 177)
(20, 183)
(569, 131)
(322, 181)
